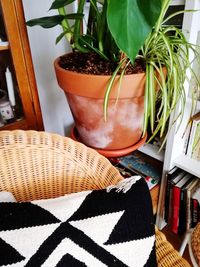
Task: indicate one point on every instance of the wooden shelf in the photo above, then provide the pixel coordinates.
(4, 47)
(20, 64)
(188, 164)
(20, 124)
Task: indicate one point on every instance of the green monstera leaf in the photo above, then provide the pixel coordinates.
(130, 22)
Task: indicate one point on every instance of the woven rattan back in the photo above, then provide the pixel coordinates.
(36, 165)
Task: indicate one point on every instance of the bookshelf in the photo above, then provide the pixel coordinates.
(177, 2)
(188, 164)
(174, 152)
(153, 151)
(15, 59)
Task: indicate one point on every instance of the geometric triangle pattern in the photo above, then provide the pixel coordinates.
(69, 260)
(91, 228)
(30, 215)
(106, 221)
(140, 248)
(77, 253)
(28, 239)
(8, 254)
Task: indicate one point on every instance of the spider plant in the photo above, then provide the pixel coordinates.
(166, 55)
(121, 31)
(165, 46)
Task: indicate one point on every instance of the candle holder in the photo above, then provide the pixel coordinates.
(6, 110)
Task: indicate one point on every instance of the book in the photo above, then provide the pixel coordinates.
(193, 182)
(143, 165)
(195, 200)
(170, 175)
(195, 210)
(127, 172)
(176, 201)
(190, 192)
(187, 132)
(123, 170)
(195, 121)
(173, 181)
(186, 136)
(195, 154)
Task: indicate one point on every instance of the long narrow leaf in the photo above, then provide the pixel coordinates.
(120, 81)
(176, 14)
(109, 88)
(152, 96)
(146, 102)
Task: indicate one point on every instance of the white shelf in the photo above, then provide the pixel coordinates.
(177, 2)
(188, 164)
(152, 151)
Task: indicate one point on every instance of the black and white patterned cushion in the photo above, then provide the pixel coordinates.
(91, 228)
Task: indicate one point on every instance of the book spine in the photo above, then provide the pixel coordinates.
(190, 194)
(176, 206)
(191, 139)
(188, 212)
(182, 213)
(167, 200)
(187, 137)
(171, 207)
(196, 142)
(194, 211)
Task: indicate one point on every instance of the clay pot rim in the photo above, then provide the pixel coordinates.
(56, 64)
(94, 86)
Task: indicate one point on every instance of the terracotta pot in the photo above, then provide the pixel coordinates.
(85, 95)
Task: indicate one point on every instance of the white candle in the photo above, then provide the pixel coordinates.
(10, 87)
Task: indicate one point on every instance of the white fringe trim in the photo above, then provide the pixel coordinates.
(124, 185)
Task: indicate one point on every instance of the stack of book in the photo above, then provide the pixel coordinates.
(138, 163)
(182, 198)
(192, 139)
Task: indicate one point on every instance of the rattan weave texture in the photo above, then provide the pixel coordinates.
(167, 256)
(195, 243)
(37, 165)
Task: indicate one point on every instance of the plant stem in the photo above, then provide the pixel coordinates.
(102, 27)
(77, 29)
(65, 24)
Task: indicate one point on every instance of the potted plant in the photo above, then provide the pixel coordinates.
(126, 72)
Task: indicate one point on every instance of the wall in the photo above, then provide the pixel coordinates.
(55, 110)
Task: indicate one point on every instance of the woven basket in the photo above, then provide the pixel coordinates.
(195, 243)
(37, 165)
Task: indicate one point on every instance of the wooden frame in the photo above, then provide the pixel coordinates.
(20, 50)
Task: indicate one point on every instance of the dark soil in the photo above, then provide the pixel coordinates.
(91, 63)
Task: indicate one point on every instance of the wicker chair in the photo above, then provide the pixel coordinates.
(37, 165)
